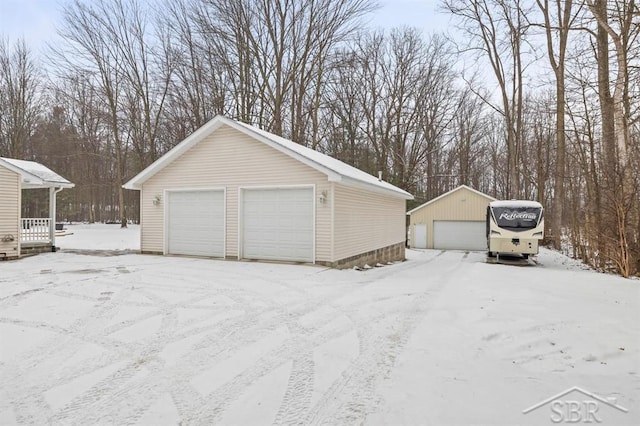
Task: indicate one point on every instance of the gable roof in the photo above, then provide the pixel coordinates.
(446, 194)
(35, 175)
(336, 170)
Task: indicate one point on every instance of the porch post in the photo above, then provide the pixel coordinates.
(52, 216)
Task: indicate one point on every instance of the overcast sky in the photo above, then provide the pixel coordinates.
(35, 20)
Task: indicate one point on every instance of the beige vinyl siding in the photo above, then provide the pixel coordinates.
(9, 212)
(462, 204)
(230, 159)
(365, 221)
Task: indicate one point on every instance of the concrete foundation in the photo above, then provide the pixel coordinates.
(392, 253)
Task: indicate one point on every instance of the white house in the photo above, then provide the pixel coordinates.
(20, 235)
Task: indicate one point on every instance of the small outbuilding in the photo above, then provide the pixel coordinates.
(231, 190)
(20, 235)
(455, 220)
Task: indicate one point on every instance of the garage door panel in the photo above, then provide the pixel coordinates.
(277, 224)
(196, 223)
(459, 235)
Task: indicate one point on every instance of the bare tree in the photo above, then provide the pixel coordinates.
(558, 18)
(19, 94)
(617, 24)
(200, 85)
(469, 129)
(497, 29)
(390, 98)
(129, 59)
(278, 51)
(92, 173)
(585, 151)
(91, 47)
(147, 64)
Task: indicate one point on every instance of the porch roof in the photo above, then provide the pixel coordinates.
(35, 175)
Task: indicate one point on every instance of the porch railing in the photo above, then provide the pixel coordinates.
(35, 230)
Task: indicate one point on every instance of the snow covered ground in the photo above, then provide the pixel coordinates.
(99, 237)
(442, 339)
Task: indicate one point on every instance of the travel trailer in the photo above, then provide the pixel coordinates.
(514, 227)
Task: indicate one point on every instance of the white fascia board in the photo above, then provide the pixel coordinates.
(31, 184)
(61, 185)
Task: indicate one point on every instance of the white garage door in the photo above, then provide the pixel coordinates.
(195, 223)
(459, 235)
(277, 224)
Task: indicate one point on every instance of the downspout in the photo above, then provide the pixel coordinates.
(19, 235)
(52, 215)
(332, 203)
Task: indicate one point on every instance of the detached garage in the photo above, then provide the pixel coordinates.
(233, 191)
(453, 221)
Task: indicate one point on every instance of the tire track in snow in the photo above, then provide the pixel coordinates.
(126, 395)
(117, 390)
(353, 395)
(80, 332)
(27, 388)
(297, 397)
(242, 336)
(292, 349)
(297, 406)
(233, 335)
